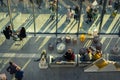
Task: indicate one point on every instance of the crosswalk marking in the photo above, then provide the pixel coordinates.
(19, 55)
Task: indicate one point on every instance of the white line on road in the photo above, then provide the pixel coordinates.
(20, 55)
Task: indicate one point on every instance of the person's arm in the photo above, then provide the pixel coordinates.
(8, 69)
(37, 60)
(41, 57)
(65, 54)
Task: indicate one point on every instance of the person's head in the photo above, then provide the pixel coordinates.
(18, 68)
(77, 7)
(11, 63)
(22, 28)
(69, 50)
(8, 27)
(44, 52)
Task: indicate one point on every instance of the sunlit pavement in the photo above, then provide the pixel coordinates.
(22, 16)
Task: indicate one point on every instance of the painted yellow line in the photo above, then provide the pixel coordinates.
(73, 28)
(113, 23)
(45, 41)
(27, 63)
(42, 18)
(89, 42)
(86, 44)
(2, 39)
(103, 39)
(105, 19)
(61, 21)
(37, 39)
(67, 26)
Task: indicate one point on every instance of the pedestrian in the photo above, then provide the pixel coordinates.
(43, 54)
(19, 74)
(89, 11)
(69, 55)
(116, 5)
(100, 2)
(12, 68)
(3, 76)
(76, 15)
(53, 9)
(95, 14)
(22, 33)
(39, 2)
(7, 32)
(88, 55)
(46, 3)
(97, 55)
(2, 3)
(69, 15)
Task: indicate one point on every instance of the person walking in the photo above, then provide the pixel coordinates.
(12, 68)
(89, 11)
(53, 9)
(19, 74)
(76, 15)
(39, 2)
(69, 15)
(43, 54)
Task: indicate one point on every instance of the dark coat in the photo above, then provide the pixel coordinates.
(69, 56)
(7, 32)
(11, 69)
(19, 75)
(22, 33)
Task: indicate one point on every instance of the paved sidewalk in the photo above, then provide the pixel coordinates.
(23, 17)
